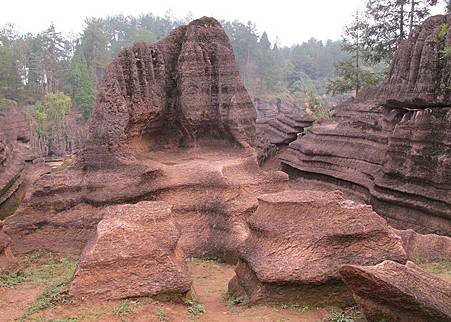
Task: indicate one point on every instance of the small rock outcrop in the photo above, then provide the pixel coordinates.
(135, 253)
(425, 248)
(391, 146)
(390, 291)
(8, 263)
(179, 91)
(303, 237)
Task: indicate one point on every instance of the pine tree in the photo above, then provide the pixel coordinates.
(54, 58)
(10, 83)
(95, 42)
(353, 74)
(80, 84)
(389, 22)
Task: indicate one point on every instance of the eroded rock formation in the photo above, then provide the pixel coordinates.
(173, 122)
(280, 119)
(135, 253)
(391, 146)
(14, 134)
(8, 263)
(302, 238)
(390, 291)
(178, 91)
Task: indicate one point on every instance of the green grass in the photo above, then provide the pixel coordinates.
(234, 300)
(33, 273)
(56, 277)
(195, 308)
(440, 267)
(54, 274)
(161, 314)
(340, 317)
(124, 308)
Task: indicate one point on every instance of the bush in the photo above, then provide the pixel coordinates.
(213, 205)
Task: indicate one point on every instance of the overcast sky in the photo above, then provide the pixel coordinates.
(293, 21)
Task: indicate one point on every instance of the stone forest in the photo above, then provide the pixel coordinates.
(190, 200)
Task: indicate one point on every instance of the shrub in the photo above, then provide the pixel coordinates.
(213, 205)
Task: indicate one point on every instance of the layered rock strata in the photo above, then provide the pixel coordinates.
(393, 292)
(178, 91)
(279, 120)
(14, 135)
(173, 122)
(135, 253)
(300, 239)
(391, 146)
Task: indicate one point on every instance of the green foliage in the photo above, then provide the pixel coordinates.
(80, 84)
(349, 78)
(39, 274)
(50, 118)
(2, 104)
(296, 306)
(123, 309)
(315, 106)
(11, 279)
(10, 85)
(195, 308)
(55, 275)
(388, 22)
(443, 31)
(447, 52)
(94, 42)
(234, 300)
(161, 314)
(439, 267)
(340, 317)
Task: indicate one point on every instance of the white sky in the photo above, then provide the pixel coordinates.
(293, 21)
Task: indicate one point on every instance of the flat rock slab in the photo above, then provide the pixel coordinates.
(394, 292)
(134, 254)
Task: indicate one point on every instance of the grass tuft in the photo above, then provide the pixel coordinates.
(195, 308)
(161, 314)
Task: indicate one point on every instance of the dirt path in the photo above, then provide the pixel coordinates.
(210, 280)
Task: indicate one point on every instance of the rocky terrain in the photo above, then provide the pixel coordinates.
(391, 146)
(170, 172)
(14, 138)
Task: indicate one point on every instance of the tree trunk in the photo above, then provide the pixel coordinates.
(412, 14)
(401, 20)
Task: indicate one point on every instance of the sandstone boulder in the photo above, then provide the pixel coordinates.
(8, 263)
(135, 253)
(304, 237)
(390, 291)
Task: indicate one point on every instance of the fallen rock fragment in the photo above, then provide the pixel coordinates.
(391, 291)
(302, 238)
(134, 254)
